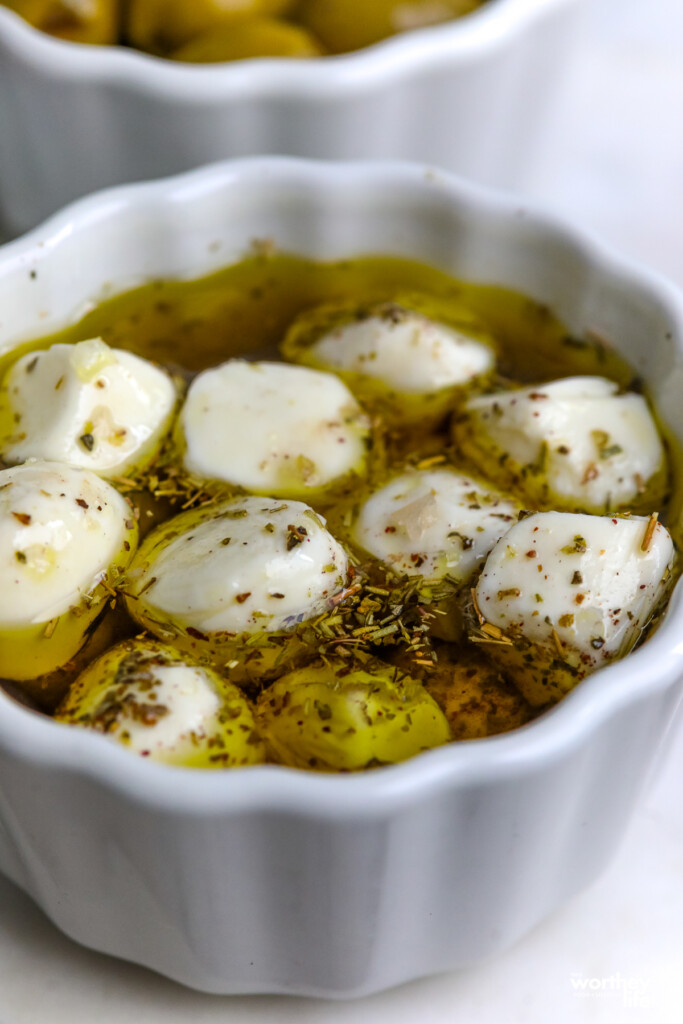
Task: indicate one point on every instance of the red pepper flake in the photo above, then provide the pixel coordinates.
(195, 634)
(241, 598)
(22, 517)
(82, 503)
(531, 554)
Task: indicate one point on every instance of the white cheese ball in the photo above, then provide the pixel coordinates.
(270, 428)
(189, 701)
(572, 592)
(149, 698)
(433, 523)
(405, 350)
(87, 405)
(62, 532)
(577, 443)
(245, 568)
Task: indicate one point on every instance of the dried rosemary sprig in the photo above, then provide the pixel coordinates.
(379, 609)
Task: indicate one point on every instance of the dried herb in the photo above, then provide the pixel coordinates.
(295, 535)
(649, 531)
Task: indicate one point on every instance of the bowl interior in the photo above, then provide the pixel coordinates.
(190, 225)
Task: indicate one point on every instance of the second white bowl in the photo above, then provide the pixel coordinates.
(469, 96)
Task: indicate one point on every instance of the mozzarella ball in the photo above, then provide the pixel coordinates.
(150, 699)
(87, 405)
(65, 537)
(401, 360)
(406, 351)
(234, 580)
(577, 444)
(563, 594)
(274, 429)
(434, 523)
(332, 718)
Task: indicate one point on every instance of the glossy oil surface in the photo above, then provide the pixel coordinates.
(246, 309)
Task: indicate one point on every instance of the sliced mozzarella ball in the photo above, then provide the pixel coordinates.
(576, 443)
(251, 568)
(64, 533)
(404, 361)
(434, 523)
(86, 405)
(405, 350)
(149, 698)
(563, 594)
(271, 428)
(332, 718)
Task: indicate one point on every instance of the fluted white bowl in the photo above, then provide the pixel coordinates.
(269, 879)
(470, 96)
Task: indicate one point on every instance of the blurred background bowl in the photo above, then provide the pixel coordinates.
(472, 95)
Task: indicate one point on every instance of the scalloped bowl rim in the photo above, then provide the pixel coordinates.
(464, 39)
(31, 736)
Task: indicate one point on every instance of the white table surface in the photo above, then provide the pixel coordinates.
(614, 164)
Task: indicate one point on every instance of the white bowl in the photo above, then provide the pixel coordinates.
(469, 96)
(275, 880)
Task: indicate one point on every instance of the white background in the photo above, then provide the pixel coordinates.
(614, 164)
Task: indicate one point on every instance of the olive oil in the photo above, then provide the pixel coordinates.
(245, 311)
